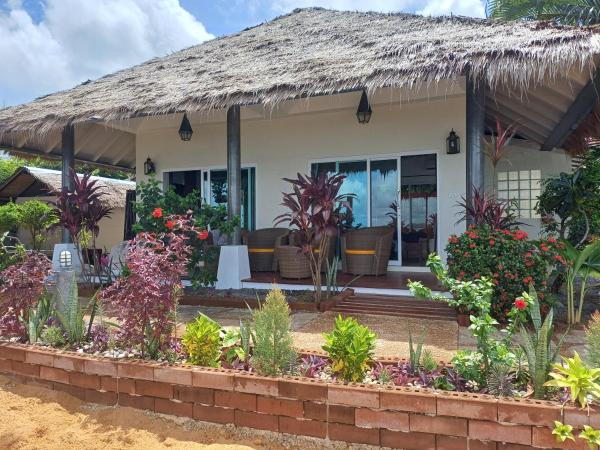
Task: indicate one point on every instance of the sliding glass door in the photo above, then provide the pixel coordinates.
(400, 192)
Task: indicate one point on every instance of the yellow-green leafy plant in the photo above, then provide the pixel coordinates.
(53, 336)
(581, 380)
(273, 353)
(591, 436)
(350, 346)
(562, 431)
(592, 340)
(202, 341)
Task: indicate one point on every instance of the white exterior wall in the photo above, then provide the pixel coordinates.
(284, 143)
(524, 155)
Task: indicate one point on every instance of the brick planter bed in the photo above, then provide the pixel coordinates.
(393, 417)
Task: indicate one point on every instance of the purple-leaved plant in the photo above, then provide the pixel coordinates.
(144, 301)
(22, 284)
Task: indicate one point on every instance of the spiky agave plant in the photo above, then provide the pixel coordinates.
(537, 345)
(72, 318)
(500, 380)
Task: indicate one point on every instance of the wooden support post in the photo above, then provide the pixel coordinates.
(68, 165)
(475, 133)
(234, 169)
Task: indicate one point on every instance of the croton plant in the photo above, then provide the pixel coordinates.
(506, 257)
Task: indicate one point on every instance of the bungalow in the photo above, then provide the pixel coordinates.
(401, 104)
(28, 183)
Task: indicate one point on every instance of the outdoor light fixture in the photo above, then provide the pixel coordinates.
(185, 129)
(363, 113)
(452, 143)
(149, 168)
(65, 259)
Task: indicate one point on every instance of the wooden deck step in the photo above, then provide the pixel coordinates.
(399, 306)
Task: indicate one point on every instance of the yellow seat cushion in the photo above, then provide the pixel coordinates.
(360, 252)
(261, 250)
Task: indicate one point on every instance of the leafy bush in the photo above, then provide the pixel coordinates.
(157, 206)
(537, 345)
(350, 346)
(273, 351)
(36, 218)
(9, 217)
(581, 380)
(21, 288)
(144, 301)
(592, 339)
(475, 295)
(53, 336)
(99, 337)
(202, 341)
(570, 202)
(507, 258)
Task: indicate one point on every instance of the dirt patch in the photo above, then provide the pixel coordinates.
(441, 336)
(37, 418)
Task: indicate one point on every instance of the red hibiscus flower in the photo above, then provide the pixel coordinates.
(520, 235)
(203, 235)
(492, 242)
(170, 224)
(157, 213)
(520, 303)
(552, 240)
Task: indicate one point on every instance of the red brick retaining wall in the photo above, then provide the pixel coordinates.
(394, 417)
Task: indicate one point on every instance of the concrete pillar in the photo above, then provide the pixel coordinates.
(68, 165)
(234, 169)
(475, 134)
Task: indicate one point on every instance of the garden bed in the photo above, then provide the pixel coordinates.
(404, 417)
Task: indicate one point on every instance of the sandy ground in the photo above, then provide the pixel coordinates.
(33, 417)
(441, 336)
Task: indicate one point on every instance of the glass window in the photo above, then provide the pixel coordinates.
(524, 188)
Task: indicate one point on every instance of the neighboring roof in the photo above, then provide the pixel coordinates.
(316, 51)
(33, 182)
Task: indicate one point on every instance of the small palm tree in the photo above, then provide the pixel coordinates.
(570, 12)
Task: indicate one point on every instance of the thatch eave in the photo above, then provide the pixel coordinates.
(313, 52)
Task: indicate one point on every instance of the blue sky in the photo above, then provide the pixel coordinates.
(50, 45)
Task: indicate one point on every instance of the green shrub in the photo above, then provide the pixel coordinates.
(273, 351)
(202, 341)
(592, 340)
(53, 336)
(582, 381)
(504, 257)
(350, 346)
(537, 345)
(428, 362)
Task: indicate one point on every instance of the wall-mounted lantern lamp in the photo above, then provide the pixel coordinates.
(149, 168)
(185, 129)
(65, 259)
(364, 111)
(452, 143)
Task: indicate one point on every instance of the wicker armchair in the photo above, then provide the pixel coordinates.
(366, 251)
(293, 263)
(261, 247)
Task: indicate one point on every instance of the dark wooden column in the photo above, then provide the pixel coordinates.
(475, 133)
(68, 165)
(234, 169)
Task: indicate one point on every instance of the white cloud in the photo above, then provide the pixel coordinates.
(79, 40)
(472, 8)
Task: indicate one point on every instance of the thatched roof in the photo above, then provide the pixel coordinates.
(36, 182)
(312, 52)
